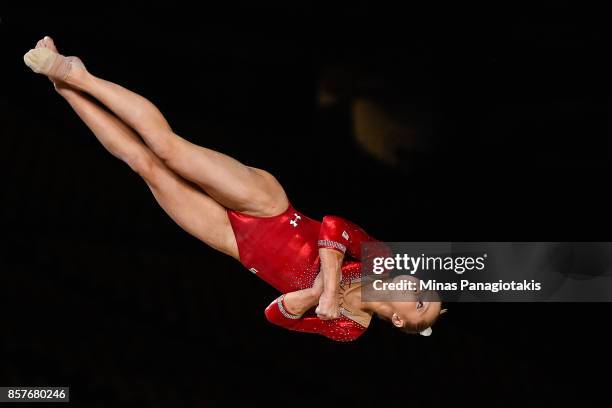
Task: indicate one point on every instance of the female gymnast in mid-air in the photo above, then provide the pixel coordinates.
(238, 210)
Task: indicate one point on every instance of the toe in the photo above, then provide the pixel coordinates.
(50, 43)
(33, 55)
(27, 58)
(33, 58)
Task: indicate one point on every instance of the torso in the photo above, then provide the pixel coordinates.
(350, 304)
(282, 250)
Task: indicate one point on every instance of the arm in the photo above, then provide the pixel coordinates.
(342, 329)
(331, 270)
(336, 237)
(288, 311)
(299, 302)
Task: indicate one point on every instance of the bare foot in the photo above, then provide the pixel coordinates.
(44, 59)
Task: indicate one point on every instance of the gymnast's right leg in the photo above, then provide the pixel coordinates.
(186, 204)
(231, 183)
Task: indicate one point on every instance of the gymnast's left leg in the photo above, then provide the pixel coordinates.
(231, 183)
(193, 210)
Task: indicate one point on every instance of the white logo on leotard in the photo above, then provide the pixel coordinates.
(295, 220)
(345, 235)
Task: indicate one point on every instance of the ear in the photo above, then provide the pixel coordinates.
(396, 320)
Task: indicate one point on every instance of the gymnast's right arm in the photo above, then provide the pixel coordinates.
(337, 237)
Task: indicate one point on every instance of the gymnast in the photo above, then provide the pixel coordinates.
(238, 210)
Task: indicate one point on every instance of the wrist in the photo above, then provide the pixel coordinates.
(314, 294)
(328, 291)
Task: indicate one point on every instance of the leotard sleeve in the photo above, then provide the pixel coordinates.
(342, 235)
(346, 237)
(341, 329)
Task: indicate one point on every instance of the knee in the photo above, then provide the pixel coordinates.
(164, 144)
(145, 166)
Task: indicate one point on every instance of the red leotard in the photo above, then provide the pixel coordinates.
(283, 250)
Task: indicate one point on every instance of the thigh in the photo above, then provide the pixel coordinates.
(193, 210)
(231, 183)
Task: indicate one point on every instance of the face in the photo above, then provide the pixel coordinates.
(421, 312)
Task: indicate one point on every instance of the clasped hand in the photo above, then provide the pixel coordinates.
(329, 300)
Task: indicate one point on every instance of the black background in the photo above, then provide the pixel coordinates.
(102, 292)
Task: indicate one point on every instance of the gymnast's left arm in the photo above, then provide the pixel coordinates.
(278, 313)
(299, 302)
(288, 311)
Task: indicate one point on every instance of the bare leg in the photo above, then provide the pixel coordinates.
(228, 181)
(187, 205)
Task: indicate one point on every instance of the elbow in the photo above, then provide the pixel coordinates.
(268, 315)
(273, 314)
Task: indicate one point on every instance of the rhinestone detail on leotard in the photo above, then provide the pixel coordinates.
(284, 311)
(334, 244)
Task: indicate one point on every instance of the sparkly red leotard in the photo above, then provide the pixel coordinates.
(284, 251)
